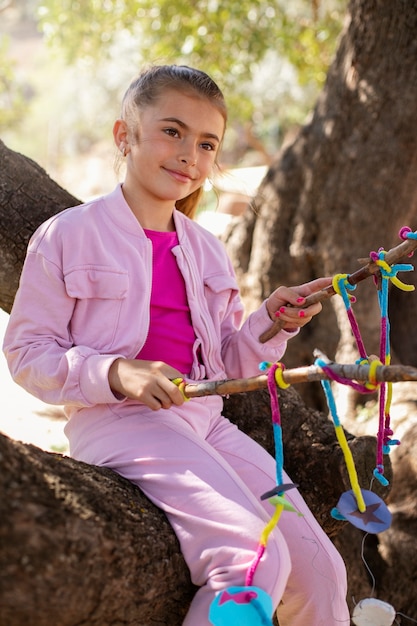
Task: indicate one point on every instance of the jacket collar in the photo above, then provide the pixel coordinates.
(121, 214)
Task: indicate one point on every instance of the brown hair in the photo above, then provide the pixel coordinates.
(148, 87)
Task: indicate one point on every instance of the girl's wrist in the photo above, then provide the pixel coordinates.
(114, 378)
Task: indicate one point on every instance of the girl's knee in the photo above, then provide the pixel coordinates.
(320, 573)
(316, 593)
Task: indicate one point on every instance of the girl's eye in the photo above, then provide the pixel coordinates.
(172, 132)
(208, 146)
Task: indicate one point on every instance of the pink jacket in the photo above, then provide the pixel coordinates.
(83, 301)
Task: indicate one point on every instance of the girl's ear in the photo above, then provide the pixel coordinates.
(120, 135)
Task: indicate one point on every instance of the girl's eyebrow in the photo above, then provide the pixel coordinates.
(186, 127)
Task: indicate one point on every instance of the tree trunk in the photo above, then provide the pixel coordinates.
(390, 556)
(27, 198)
(81, 545)
(344, 186)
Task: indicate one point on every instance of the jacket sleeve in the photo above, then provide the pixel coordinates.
(243, 352)
(38, 346)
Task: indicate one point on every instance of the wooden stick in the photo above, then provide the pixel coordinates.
(310, 373)
(392, 256)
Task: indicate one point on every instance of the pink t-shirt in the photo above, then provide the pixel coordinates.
(171, 335)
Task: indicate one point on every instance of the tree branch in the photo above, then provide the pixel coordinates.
(394, 255)
(311, 373)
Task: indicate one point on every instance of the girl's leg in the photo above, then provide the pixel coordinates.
(315, 594)
(217, 514)
(217, 519)
(317, 586)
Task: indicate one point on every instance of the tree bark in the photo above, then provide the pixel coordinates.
(27, 198)
(81, 545)
(389, 556)
(343, 187)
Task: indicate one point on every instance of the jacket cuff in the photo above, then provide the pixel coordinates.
(94, 379)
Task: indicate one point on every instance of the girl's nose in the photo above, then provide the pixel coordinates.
(188, 154)
(188, 160)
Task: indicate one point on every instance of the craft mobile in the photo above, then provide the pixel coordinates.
(249, 605)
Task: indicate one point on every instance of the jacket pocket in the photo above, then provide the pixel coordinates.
(220, 291)
(102, 283)
(99, 293)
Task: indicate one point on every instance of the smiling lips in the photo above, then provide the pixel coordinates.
(180, 176)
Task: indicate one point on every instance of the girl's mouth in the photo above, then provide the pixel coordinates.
(180, 176)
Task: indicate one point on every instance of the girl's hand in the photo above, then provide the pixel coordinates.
(286, 304)
(146, 381)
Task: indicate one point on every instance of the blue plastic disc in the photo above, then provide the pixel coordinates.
(374, 519)
(241, 606)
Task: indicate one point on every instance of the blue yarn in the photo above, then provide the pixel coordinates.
(264, 366)
(329, 395)
(279, 454)
(380, 477)
(344, 292)
(336, 515)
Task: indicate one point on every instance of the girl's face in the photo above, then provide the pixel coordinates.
(174, 150)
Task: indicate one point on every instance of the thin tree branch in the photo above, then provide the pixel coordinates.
(355, 372)
(405, 248)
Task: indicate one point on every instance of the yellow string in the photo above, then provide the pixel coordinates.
(271, 524)
(373, 366)
(337, 278)
(279, 377)
(388, 399)
(350, 464)
(180, 382)
(396, 281)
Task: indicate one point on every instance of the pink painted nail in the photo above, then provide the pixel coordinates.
(282, 309)
(300, 300)
(277, 314)
(301, 314)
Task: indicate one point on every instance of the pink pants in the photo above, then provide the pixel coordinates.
(208, 478)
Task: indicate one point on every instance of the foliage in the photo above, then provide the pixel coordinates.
(13, 103)
(269, 57)
(230, 40)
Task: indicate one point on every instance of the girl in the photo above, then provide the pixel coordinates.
(121, 295)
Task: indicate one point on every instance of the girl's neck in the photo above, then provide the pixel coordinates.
(158, 217)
